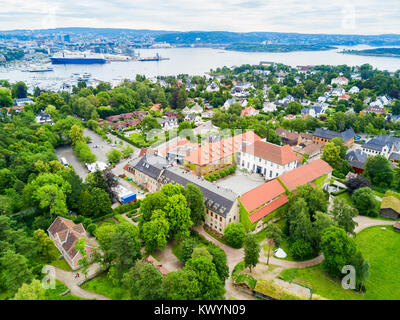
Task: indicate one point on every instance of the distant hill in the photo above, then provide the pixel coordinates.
(223, 38)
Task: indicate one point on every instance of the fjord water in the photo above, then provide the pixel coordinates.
(196, 61)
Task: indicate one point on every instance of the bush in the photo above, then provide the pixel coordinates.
(234, 234)
(300, 249)
(83, 152)
(91, 228)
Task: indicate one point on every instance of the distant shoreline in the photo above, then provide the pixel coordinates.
(278, 48)
(378, 52)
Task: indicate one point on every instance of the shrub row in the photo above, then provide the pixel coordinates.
(221, 174)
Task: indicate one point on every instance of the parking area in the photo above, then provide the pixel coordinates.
(101, 147)
(241, 182)
(67, 153)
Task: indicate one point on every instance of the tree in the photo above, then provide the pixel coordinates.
(300, 249)
(235, 108)
(32, 291)
(149, 123)
(178, 215)
(356, 183)
(343, 215)
(94, 202)
(273, 235)
(201, 252)
(251, 251)
(211, 287)
(182, 285)
(45, 247)
(125, 249)
(144, 282)
(338, 249)
(331, 154)
(378, 170)
(155, 231)
(114, 155)
(364, 201)
(188, 246)
(5, 98)
(234, 234)
(219, 260)
(83, 263)
(195, 202)
(76, 134)
(14, 271)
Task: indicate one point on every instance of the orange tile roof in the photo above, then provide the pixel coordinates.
(248, 110)
(262, 212)
(170, 146)
(258, 196)
(272, 152)
(305, 174)
(215, 151)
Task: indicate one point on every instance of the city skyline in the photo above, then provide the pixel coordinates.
(309, 16)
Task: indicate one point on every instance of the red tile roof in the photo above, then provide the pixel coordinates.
(249, 110)
(305, 174)
(272, 152)
(262, 212)
(215, 151)
(258, 196)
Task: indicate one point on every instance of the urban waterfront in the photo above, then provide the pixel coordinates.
(196, 61)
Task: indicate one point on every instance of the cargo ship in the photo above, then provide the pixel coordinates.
(156, 58)
(77, 58)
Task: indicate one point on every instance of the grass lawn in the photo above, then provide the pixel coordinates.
(346, 197)
(62, 264)
(102, 285)
(54, 294)
(379, 247)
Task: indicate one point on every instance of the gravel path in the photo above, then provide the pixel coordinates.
(68, 279)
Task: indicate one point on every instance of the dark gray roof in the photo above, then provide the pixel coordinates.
(150, 165)
(357, 158)
(329, 134)
(378, 142)
(216, 198)
(395, 156)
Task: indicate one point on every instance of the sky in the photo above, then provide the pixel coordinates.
(302, 16)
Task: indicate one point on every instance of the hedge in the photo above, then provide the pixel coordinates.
(127, 207)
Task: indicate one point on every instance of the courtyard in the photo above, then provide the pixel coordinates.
(241, 182)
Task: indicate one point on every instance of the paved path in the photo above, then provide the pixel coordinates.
(68, 279)
(234, 256)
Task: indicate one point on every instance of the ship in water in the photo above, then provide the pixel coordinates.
(156, 58)
(67, 57)
(39, 69)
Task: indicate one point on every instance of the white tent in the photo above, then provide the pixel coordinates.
(279, 253)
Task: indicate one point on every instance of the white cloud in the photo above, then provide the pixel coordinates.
(307, 16)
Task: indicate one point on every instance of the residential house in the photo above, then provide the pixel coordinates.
(228, 103)
(337, 92)
(374, 109)
(65, 235)
(313, 151)
(383, 145)
(171, 113)
(43, 117)
(269, 107)
(22, 101)
(357, 159)
(340, 81)
(267, 159)
(249, 111)
(323, 135)
(354, 90)
(168, 123)
(192, 118)
(212, 87)
(315, 111)
(288, 137)
(344, 97)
